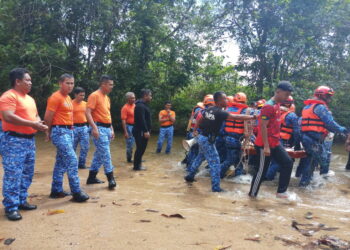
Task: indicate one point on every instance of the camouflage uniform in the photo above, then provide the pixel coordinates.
(18, 159)
(82, 137)
(66, 160)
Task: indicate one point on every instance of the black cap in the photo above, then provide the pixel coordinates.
(285, 86)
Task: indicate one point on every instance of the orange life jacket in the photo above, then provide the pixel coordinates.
(310, 122)
(235, 126)
(286, 131)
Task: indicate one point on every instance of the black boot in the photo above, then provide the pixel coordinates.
(347, 167)
(111, 181)
(13, 215)
(27, 206)
(80, 197)
(57, 195)
(92, 178)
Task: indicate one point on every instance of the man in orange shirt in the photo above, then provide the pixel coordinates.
(81, 128)
(166, 119)
(20, 123)
(99, 117)
(59, 118)
(127, 115)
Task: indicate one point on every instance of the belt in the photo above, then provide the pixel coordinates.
(106, 125)
(26, 136)
(63, 126)
(80, 124)
(130, 124)
(166, 126)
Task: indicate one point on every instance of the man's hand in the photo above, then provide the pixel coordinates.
(40, 126)
(48, 137)
(267, 151)
(195, 133)
(95, 133)
(126, 135)
(112, 134)
(147, 135)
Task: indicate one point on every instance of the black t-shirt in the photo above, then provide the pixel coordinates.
(212, 120)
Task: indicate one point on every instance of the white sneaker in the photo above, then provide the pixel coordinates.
(286, 196)
(329, 174)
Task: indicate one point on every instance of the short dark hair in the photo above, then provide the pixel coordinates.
(145, 92)
(105, 78)
(285, 86)
(167, 102)
(64, 77)
(17, 73)
(78, 90)
(218, 95)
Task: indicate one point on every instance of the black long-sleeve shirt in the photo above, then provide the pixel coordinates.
(142, 116)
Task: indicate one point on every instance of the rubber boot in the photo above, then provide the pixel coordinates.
(111, 181)
(80, 197)
(92, 178)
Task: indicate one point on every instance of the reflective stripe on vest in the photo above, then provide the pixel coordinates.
(286, 131)
(310, 122)
(235, 126)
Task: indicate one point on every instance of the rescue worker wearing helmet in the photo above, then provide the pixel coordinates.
(290, 133)
(316, 122)
(208, 102)
(234, 130)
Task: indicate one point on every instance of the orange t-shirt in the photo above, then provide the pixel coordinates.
(79, 112)
(164, 114)
(127, 113)
(63, 108)
(100, 106)
(23, 105)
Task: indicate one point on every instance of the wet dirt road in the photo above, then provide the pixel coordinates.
(131, 216)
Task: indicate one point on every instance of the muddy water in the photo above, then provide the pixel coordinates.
(131, 216)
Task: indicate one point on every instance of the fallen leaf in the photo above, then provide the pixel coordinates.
(255, 238)
(1, 239)
(9, 241)
(145, 221)
(136, 204)
(102, 205)
(151, 211)
(93, 201)
(95, 198)
(263, 210)
(233, 202)
(116, 204)
(56, 211)
(334, 242)
(222, 247)
(173, 216)
(288, 242)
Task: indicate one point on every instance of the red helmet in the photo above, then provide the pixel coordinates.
(208, 100)
(323, 91)
(260, 103)
(240, 97)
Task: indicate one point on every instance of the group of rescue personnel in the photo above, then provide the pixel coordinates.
(222, 126)
(69, 123)
(276, 128)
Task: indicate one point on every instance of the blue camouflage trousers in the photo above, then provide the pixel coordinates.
(192, 154)
(129, 142)
(18, 159)
(316, 153)
(165, 133)
(82, 137)
(102, 155)
(66, 160)
(328, 147)
(207, 151)
(1, 136)
(233, 153)
(221, 147)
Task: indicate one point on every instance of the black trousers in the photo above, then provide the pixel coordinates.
(262, 163)
(141, 145)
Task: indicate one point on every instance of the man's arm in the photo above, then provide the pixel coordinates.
(48, 121)
(265, 139)
(327, 117)
(95, 132)
(172, 117)
(126, 134)
(10, 117)
(241, 117)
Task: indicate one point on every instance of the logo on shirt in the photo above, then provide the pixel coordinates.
(209, 115)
